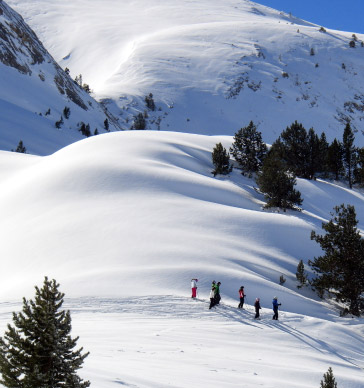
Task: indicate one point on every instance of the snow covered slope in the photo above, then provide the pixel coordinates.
(124, 220)
(140, 213)
(212, 66)
(35, 91)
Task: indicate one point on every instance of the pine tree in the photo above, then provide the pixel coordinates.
(85, 129)
(139, 122)
(66, 112)
(301, 275)
(334, 159)
(323, 149)
(296, 149)
(221, 160)
(59, 123)
(149, 101)
(21, 148)
(314, 160)
(106, 124)
(340, 271)
(277, 183)
(329, 380)
(349, 152)
(359, 171)
(38, 351)
(248, 149)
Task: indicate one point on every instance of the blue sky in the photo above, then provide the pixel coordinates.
(336, 14)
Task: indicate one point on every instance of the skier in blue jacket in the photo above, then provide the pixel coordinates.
(275, 308)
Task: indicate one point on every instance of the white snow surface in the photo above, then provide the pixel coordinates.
(212, 66)
(124, 221)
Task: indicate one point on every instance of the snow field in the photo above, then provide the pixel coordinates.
(124, 220)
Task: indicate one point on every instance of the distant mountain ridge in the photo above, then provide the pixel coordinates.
(35, 91)
(211, 66)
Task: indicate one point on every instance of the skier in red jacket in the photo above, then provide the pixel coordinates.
(241, 296)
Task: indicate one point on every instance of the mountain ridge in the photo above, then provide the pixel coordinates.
(211, 67)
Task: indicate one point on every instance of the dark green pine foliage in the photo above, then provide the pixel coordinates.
(301, 275)
(314, 156)
(359, 171)
(277, 183)
(349, 153)
(329, 380)
(85, 129)
(38, 351)
(149, 102)
(248, 149)
(139, 122)
(106, 124)
(66, 112)
(221, 160)
(334, 160)
(340, 271)
(296, 150)
(323, 149)
(21, 148)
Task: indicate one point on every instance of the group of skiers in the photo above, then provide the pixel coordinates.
(215, 294)
(215, 298)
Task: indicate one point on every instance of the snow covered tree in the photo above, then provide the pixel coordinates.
(38, 351)
(248, 149)
(340, 271)
(301, 275)
(21, 148)
(221, 160)
(329, 380)
(349, 152)
(277, 183)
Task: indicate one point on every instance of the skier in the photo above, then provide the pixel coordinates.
(275, 308)
(241, 296)
(217, 293)
(212, 296)
(257, 308)
(194, 287)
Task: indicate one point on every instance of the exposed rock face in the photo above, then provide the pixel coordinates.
(21, 49)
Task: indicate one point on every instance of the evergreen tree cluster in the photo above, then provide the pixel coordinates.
(307, 155)
(296, 153)
(38, 351)
(251, 156)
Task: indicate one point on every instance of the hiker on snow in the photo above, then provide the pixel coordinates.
(241, 296)
(275, 308)
(257, 308)
(194, 287)
(217, 293)
(212, 296)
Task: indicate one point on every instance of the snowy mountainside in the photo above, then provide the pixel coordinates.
(124, 220)
(35, 91)
(211, 66)
(141, 211)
